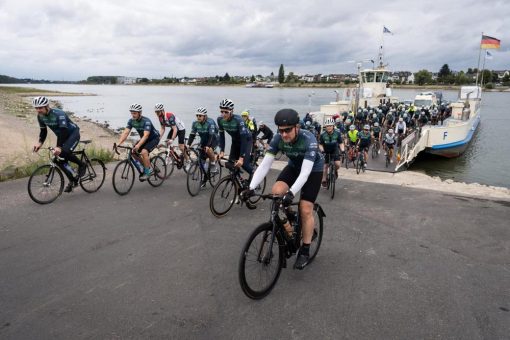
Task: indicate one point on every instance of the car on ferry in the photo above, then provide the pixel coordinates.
(428, 99)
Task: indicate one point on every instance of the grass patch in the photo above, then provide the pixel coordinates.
(14, 172)
(22, 90)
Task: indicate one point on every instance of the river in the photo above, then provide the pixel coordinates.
(486, 161)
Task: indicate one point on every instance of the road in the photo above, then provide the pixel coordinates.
(395, 263)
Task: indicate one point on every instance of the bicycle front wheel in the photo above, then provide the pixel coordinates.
(45, 184)
(259, 190)
(261, 262)
(169, 161)
(358, 165)
(332, 180)
(159, 171)
(223, 196)
(94, 177)
(374, 151)
(194, 179)
(318, 229)
(123, 177)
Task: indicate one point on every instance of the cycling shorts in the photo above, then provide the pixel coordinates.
(310, 189)
(181, 134)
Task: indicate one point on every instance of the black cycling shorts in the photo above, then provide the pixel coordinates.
(72, 141)
(181, 134)
(335, 156)
(149, 145)
(310, 190)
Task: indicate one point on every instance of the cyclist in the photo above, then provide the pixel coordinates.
(207, 129)
(389, 143)
(401, 127)
(251, 124)
(302, 173)
(68, 136)
(330, 142)
(177, 128)
(267, 133)
(364, 139)
(376, 133)
(353, 135)
(149, 138)
(240, 148)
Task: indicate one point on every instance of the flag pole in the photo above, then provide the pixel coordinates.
(483, 67)
(478, 67)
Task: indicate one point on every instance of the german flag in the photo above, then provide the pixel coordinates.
(490, 42)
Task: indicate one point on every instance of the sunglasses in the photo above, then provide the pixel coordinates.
(286, 130)
(224, 111)
(198, 116)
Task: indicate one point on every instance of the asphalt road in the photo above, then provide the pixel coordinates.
(395, 263)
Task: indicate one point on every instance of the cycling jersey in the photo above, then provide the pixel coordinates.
(267, 133)
(208, 131)
(331, 141)
(401, 127)
(59, 122)
(169, 119)
(353, 135)
(304, 147)
(241, 137)
(364, 138)
(389, 139)
(377, 131)
(141, 125)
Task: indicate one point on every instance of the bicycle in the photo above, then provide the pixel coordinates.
(389, 155)
(375, 148)
(197, 173)
(46, 183)
(360, 163)
(173, 157)
(268, 247)
(351, 156)
(124, 173)
(331, 175)
(226, 192)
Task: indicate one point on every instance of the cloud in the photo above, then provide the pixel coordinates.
(74, 39)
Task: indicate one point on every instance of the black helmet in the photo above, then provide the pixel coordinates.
(286, 117)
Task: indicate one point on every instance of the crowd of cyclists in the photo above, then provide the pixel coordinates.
(308, 146)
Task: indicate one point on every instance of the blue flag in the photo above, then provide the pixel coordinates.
(386, 30)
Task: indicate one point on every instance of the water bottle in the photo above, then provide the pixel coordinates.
(138, 164)
(68, 168)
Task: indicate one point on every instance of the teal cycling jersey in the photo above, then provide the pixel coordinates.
(377, 131)
(331, 141)
(236, 128)
(304, 147)
(56, 120)
(208, 131)
(141, 125)
(364, 137)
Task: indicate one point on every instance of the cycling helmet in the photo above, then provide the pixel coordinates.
(159, 107)
(347, 121)
(366, 127)
(390, 131)
(374, 115)
(135, 107)
(329, 122)
(40, 101)
(286, 117)
(202, 111)
(405, 115)
(376, 124)
(338, 120)
(352, 128)
(262, 123)
(245, 113)
(227, 104)
(308, 123)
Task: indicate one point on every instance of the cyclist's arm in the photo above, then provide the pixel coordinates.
(306, 169)
(124, 136)
(262, 170)
(44, 131)
(221, 132)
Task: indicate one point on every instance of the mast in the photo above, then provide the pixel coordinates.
(478, 67)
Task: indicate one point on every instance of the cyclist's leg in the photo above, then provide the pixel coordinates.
(145, 150)
(325, 171)
(67, 153)
(181, 134)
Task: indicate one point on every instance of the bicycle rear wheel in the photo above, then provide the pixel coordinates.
(318, 229)
(194, 179)
(261, 262)
(169, 161)
(159, 171)
(214, 176)
(45, 184)
(123, 177)
(223, 196)
(94, 177)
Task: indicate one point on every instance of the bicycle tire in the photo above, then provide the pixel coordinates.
(52, 183)
(225, 191)
(332, 180)
(94, 177)
(194, 179)
(159, 171)
(374, 151)
(318, 232)
(250, 257)
(169, 161)
(258, 190)
(123, 177)
(358, 165)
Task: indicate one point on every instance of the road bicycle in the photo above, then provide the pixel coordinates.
(376, 146)
(331, 175)
(124, 173)
(268, 247)
(360, 162)
(200, 171)
(46, 183)
(174, 157)
(227, 190)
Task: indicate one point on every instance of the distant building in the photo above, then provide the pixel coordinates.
(126, 80)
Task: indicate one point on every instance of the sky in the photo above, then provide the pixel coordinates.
(73, 39)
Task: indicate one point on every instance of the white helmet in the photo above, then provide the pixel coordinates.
(366, 127)
(352, 128)
(329, 122)
(227, 104)
(159, 107)
(347, 121)
(338, 120)
(390, 131)
(201, 111)
(262, 123)
(40, 101)
(376, 124)
(135, 107)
